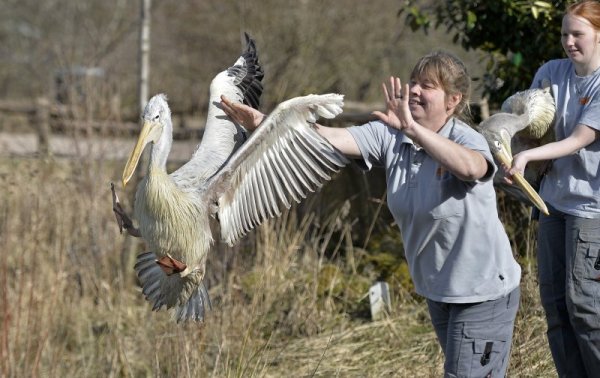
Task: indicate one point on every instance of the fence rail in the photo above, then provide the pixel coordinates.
(49, 118)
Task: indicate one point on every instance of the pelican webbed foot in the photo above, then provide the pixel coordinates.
(123, 220)
(170, 265)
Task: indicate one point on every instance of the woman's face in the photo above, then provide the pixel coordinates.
(581, 43)
(428, 104)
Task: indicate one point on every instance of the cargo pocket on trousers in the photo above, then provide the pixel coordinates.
(586, 263)
(488, 345)
(583, 296)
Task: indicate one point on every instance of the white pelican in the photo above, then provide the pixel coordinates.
(524, 121)
(281, 161)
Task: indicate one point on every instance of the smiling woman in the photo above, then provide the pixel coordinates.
(440, 192)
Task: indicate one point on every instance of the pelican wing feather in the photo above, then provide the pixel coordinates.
(241, 82)
(282, 161)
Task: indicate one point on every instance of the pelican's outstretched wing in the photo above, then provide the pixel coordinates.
(241, 82)
(284, 159)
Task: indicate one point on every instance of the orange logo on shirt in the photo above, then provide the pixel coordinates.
(584, 100)
(440, 171)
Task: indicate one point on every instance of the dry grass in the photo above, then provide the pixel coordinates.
(285, 303)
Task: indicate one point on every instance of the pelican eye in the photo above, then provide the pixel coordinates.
(498, 145)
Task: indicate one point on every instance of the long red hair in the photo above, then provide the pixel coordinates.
(590, 10)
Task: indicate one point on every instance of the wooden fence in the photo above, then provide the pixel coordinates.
(48, 118)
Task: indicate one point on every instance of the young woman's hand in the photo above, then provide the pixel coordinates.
(519, 163)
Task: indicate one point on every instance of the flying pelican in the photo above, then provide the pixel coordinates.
(524, 121)
(281, 161)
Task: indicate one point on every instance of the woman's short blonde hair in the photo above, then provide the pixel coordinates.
(449, 73)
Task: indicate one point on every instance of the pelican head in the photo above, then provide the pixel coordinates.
(530, 114)
(156, 129)
(499, 129)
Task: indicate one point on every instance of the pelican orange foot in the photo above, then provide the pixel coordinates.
(170, 265)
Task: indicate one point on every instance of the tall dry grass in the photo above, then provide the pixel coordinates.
(288, 301)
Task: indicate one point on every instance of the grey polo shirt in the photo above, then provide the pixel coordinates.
(572, 185)
(455, 245)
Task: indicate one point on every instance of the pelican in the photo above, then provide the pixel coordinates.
(240, 183)
(524, 121)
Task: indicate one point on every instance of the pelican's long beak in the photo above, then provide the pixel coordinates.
(150, 133)
(501, 153)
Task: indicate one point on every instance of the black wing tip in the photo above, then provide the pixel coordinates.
(250, 43)
(251, 84)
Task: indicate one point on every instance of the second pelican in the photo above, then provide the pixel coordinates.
(525, 118)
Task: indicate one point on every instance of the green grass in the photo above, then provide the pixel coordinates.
(288, 301)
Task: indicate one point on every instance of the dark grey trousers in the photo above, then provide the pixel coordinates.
(569, 274)
(475, 337)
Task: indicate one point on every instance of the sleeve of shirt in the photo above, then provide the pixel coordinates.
(590, 116)
(372, 139)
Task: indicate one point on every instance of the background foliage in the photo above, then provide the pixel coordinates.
(308, 46)
(517, 35)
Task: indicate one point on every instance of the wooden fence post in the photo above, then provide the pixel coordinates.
(42, 120)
